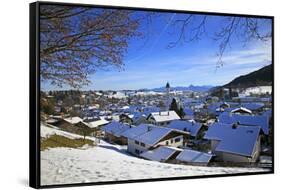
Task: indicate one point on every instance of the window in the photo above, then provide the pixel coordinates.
(172, 141)
(142, 144)
(137, 142)
(177, 139)
(167, 142)
(137, 151)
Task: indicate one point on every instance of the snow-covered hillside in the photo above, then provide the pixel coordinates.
(107, 162)
(256, 90)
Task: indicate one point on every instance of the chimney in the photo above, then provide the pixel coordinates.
(148, 128)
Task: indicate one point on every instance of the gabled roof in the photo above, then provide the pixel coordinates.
(192, 127)
(150, 134)
(240, 140)
(253, 106)
(161, 153)
(164, 116)
(252, 120)
(136, 131)
(194, 156)
(115, 128)
(241, 109)
(97, 123)
(73, 120)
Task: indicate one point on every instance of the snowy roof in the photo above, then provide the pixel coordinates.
(191, 127)
(97, 123)
(253, 106)
(150, 134)
(164, 116)
(194, 156)
(73, 120)
(241, 109)
(161, 153)
(240, 140)
(115, 128)
(253, 120)
(136, 131)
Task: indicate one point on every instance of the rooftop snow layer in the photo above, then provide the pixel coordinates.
(97, 123)
(73, 120)
(252, 120)
(164, 116)
(191, 127)
(240, 140)
(161, 153)
(194, 156)
(116, 128)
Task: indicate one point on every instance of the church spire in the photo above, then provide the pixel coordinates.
(167, 85)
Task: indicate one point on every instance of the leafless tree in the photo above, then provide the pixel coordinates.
(192, 27)
(76, 42)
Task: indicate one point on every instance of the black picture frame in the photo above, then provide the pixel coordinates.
(34, 91)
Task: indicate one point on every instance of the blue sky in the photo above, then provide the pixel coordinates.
(149, 63)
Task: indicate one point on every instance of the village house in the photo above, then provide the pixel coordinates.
(248, 120)
(147, 137)
(234, 143)
(190, 126)
(96, 126)
(162, 118)
(74, 125)
(113, 132)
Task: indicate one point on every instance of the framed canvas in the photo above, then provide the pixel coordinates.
(126, 94)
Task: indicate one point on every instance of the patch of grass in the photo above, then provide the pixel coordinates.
(55, 141)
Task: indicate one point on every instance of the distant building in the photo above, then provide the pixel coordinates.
(162, 118)
(167, 96)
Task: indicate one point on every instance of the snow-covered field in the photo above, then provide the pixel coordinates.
(107, 162)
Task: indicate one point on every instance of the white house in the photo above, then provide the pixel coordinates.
(147, 137)
(162, 118)
(234, 143)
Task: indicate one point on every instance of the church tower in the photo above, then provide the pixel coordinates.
(167, 96)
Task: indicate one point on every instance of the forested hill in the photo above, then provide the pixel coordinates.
(261, 77)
